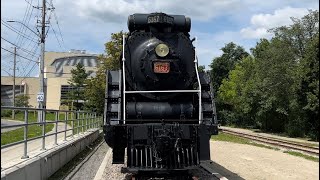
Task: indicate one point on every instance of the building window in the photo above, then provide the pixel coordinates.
(65, 92)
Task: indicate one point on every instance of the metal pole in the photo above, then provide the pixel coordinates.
(78, 122)
(95, 117)
(72, 123)
(65, 126)
(43, 129)
(82, 119)
(56, 129)
(87, 121)
(41, 64)
(25, 155)
(14, 82)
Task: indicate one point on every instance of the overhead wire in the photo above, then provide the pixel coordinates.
(18, 47)
(16, 31)
(21, 40)
(61, 44)
(18, 55)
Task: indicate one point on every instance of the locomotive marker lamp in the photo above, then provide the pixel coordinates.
(162, 50)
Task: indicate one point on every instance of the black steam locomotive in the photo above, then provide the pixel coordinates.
(159, 110)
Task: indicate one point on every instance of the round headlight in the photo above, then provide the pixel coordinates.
(162, 50)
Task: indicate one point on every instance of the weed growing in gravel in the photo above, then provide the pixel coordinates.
(302, 155)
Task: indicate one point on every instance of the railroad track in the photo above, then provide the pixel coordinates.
(276, 142)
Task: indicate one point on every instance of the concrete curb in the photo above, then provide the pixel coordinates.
(103, 165)
(46, 164)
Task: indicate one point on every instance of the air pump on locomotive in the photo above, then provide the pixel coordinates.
(158, 107)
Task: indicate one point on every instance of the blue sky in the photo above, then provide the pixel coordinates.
(87, 24)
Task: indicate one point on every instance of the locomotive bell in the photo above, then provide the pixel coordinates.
(162, 50)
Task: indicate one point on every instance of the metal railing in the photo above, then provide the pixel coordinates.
(80, 122)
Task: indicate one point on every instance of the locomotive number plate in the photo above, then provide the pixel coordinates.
(161, 67)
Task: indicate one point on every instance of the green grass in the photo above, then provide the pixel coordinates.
(302, 155)
(33, 116)
(235, 139)
(35, 130)
(17, 134)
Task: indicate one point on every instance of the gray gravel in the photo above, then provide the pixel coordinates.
(88, 168)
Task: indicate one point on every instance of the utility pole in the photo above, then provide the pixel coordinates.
(41, 64)
(14, 82)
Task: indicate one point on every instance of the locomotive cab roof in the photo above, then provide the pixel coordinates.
(159, 21)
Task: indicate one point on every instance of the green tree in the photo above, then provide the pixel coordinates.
(22, 100)
(309, 87)
(278, 88)
(237, 92)
(113, 52)
(275, 76)
(111, 60)
(283, 82)
(77, 82)
(201, 68)
(221, 66)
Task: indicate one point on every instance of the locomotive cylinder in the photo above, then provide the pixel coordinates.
(156, 110)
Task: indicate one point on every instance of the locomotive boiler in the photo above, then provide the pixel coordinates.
(159, 110)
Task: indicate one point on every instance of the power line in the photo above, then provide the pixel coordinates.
(25, 19)
(23, 49)
(19, 55)
(28, 74)
(59, 29)
(55, 17)
(56, 36)
(16, 31)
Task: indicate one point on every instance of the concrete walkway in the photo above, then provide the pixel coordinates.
(12, 155)
(7, 122)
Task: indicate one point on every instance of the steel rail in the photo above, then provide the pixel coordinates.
(279, 143)
(278, 140)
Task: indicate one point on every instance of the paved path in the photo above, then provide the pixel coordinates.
(7, 122)
(12, 155)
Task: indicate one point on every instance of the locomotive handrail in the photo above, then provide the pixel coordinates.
(124, 80)
(198, 78)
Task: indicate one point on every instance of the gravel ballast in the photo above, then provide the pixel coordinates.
(251, 162)
(241, 161)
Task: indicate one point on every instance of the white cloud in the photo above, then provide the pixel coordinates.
(251, 33)
(87, 24)
(260, 23)
(209, 44)
(117, 11)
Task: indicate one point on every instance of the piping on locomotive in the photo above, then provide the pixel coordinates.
(158, 107)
